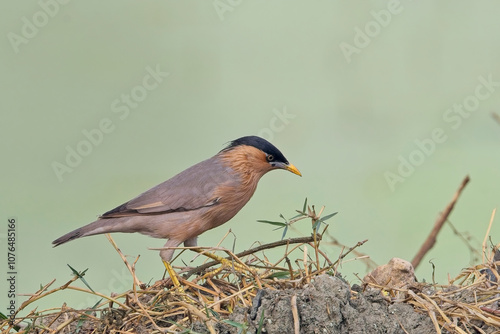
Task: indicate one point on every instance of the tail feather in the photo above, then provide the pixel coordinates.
(100, 226)
(68, 237)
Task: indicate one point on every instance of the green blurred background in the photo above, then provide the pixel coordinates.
(348, 90)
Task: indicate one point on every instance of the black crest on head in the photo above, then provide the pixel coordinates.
(259, 143)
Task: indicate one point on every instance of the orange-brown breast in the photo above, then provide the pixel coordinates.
(249, 165)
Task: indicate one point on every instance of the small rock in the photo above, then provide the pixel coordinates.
(398, 274)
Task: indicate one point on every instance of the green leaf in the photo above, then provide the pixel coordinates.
(272, 223)
(305, 206)
(299, 215)
(328, 216)
(261, 322)
(284, 232)
(75, 272)
(280, 274)
(316, 225)
(209, 312)
(17, 328)
(235, 324)
(80, 276)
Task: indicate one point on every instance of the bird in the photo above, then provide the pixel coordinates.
(202, 197)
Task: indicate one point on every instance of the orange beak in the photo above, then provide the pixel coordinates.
(293, 169)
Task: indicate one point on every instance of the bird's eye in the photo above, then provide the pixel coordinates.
(270, 157)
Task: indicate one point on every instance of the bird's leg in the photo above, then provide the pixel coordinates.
(166, 255)
(172, 275)
(193, 242)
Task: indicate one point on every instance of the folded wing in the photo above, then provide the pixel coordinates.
(192, 189)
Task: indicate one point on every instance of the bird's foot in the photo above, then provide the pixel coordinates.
(173, 276)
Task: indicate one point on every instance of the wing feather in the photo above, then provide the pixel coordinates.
(191, 189)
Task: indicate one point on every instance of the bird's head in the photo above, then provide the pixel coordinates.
(257, 155)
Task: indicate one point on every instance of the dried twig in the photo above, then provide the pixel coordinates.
(431, 239)
(295, 314)
(254, 250)
(124, 259)
(488, 233)
(154, 307)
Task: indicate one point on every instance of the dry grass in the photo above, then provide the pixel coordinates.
(464, 305)
(208, 296)
(211, 292)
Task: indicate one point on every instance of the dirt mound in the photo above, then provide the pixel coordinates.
(327, 305)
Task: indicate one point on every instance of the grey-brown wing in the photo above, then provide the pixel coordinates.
(191, 189)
